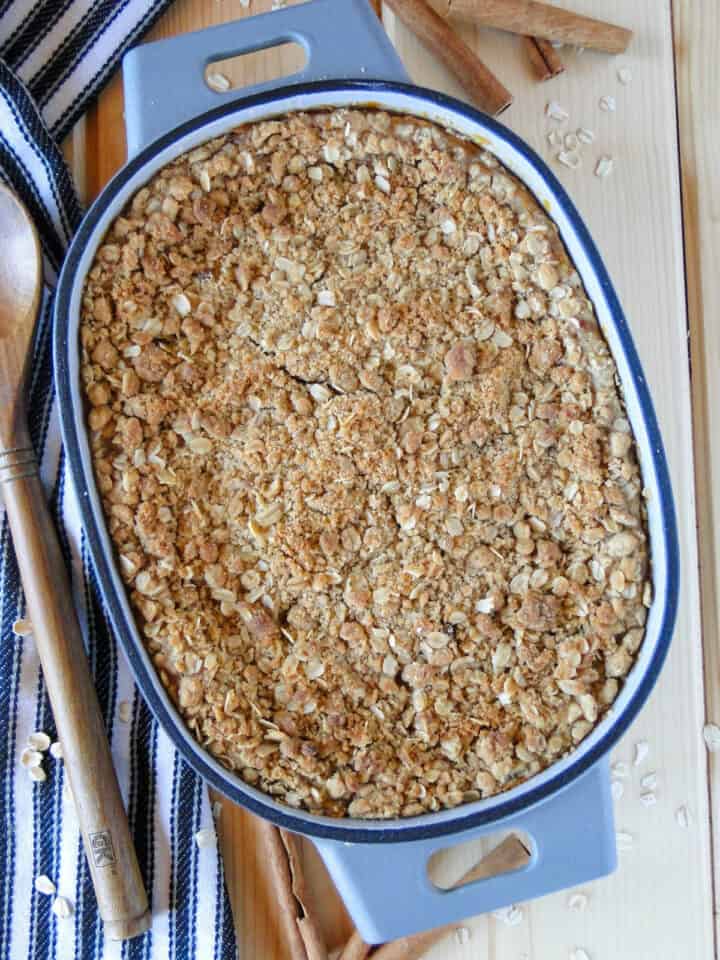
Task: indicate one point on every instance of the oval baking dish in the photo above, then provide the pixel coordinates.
(380, 867)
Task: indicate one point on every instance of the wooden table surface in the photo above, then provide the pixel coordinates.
(657, 222)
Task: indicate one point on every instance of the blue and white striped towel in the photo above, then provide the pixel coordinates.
(55, 55)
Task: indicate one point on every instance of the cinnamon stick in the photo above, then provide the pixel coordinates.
(530, 18)
(377, 7)
(355, 948)
(511, 854)
(307, 924)
(300, 931)
(480, 83)
(543, 57)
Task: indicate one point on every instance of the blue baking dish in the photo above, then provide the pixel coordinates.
(380, 867)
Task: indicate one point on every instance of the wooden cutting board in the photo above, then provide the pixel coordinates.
(659, 904)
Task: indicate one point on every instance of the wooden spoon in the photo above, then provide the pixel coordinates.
(86, 751)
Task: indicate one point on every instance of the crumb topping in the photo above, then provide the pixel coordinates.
(365, 463)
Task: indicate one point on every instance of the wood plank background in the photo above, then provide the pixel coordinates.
(697, 38)
(659, 905)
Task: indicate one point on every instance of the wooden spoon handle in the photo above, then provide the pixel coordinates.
(88, 763)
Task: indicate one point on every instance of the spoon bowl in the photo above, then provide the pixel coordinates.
(20, 291)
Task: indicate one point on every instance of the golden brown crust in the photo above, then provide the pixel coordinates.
(365, 462)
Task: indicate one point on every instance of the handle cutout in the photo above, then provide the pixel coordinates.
(479, 859)
(260, 66)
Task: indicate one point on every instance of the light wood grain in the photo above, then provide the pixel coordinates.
(658, 906)
(697, 41)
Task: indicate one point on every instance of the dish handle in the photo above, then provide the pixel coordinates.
(388, 892)
(164, 81)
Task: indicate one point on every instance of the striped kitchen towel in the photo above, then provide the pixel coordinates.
(55, 55)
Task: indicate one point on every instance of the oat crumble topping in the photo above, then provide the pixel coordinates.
(365, 463)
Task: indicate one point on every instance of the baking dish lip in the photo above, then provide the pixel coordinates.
(441, 823)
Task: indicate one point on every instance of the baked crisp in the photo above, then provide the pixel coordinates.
(364, 458)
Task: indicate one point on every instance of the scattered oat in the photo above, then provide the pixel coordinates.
(511, 916)
(216, 809)
(711, 734)
(579, 954)
(218, 82)
(579, 51)
(617, 789)
(624, 841)
(642, 748)
(30, 758)
(205, 837)
(683, 817)
(607, 103)
(577, 902)
(604, 167)
(124, 711)
(37, 774)
(649, 781)
(22, 628)
(554, 138)
(569, 159)
(554, 111)
(620, 769)
(585, 135)
(462, 936)
(44, 884)
(39, 741)
(648, 798)
(624, 75)
(572, 141)
(245, 4)
(56, 750)
(62, 908)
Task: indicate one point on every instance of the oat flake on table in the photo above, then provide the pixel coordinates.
(30, 758)
(39, 741)
(62, 908)
(44, 884)
(711, 735)
(577, 902)
(462, 935)
(205, 837)
(642, 749)
(511, 916)
(604, 167)
(624, 841)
